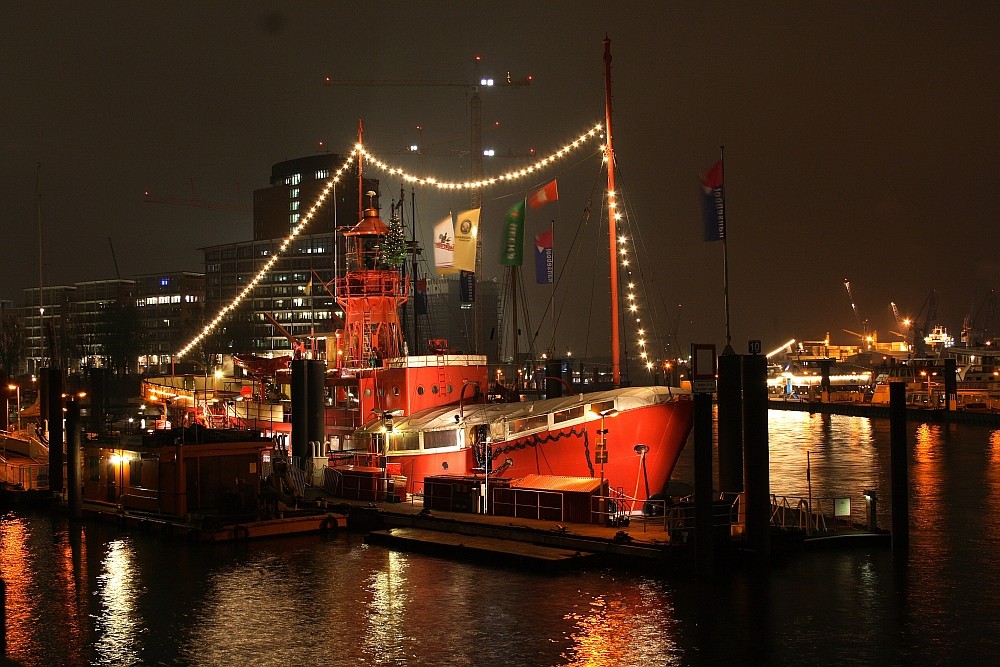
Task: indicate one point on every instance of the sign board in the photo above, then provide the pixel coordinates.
(841, 507)
(702, 368)
(755, 347)
(703, 386)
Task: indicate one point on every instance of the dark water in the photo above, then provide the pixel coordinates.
(96, 595)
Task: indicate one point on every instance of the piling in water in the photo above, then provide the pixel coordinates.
(730, 422)
(703, 481)
(899, 454)
(74, 469)
(756, 458)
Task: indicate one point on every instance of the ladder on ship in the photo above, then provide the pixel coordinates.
(442, 380)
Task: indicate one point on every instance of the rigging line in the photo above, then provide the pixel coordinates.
(635, 233)
(527, 318)
(585, 218)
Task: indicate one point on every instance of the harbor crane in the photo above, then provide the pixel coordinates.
(902, 323)
(868, 338)
(977, 327)
(473, 86)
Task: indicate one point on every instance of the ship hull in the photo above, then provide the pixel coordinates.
(573, 450)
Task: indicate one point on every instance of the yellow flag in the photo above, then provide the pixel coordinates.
(466, 232)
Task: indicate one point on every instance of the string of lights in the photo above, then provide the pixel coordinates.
(509, 176)
(374, 160)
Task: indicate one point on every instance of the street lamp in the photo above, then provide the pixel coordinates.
(17, 387)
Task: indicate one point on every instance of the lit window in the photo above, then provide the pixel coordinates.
(293, 193)
(293, 218)
(322, 173)
(293, 205)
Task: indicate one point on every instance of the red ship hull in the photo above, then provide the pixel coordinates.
(662, 424)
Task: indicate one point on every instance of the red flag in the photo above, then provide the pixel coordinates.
(544, 195)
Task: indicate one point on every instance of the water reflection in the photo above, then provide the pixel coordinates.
(118, 626)
(103, 596)
(634, 626)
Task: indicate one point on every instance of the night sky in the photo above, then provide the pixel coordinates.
(861, 142)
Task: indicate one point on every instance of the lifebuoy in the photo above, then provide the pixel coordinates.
(329, 523)
(241, 533)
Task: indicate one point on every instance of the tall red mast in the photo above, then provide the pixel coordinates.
(609, 156)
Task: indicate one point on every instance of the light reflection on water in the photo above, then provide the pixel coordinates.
(97, 595)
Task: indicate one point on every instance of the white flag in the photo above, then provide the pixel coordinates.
(444, 246)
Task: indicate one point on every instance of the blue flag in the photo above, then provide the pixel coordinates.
(543, 257)
(714, 203)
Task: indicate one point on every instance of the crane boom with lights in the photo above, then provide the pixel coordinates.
(237, 207)
(867, 337)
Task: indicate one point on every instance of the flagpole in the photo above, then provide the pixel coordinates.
(725, 255)
(609, 154)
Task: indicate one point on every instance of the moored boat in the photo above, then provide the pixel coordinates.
(427, 416)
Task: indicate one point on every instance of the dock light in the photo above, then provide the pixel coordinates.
(871, 504)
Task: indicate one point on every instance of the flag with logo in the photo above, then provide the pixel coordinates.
(543, 195)
(714, 203)
(543, 258)
(466, 230)
(513, 236)
(444, 246)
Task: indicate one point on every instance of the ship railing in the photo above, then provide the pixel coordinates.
(817, 514)
(676, 516)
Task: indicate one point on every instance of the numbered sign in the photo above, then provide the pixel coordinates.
(755, 347)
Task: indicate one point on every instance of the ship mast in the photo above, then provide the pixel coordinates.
(609, 156)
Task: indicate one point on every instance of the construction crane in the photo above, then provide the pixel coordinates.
(237, 207)
(868, 338)
(475, 106)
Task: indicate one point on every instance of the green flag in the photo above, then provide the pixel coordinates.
(513, 235)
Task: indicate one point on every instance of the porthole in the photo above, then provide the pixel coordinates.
(420, 391)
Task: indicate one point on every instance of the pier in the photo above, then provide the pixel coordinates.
(856, 409)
